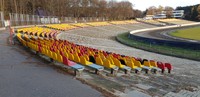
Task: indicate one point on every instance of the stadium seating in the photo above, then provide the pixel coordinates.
(82, 25)
(43, 40)
(62, 27)
(98, 23)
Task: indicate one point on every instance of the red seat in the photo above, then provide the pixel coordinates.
(169, 67)
(67, 62)
(161, 66)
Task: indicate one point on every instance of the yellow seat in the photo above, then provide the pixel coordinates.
(99, 61)
(76, 58)
(131, 65)
(138, 64)
(117, 63)
(71, 56)
(84, 61)
(153, 63)
(147, 63)
(59, 58)
(108, 64)
(54, 55)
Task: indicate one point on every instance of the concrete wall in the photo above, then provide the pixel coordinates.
(151, 41)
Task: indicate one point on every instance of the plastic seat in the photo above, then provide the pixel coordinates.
(131, 65)
(161, 66)
(153, 63)
(59, 58)
(169, 67)
(108, 64)
(147, 63)
(76, 58)
(71, 56)
(99, 61)
(84, 61)
(118, 64)
(54, 55)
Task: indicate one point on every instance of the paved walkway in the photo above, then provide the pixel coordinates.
(25, 75)
(184, 93)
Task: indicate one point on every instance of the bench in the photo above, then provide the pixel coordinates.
(76, 67)
(151, 65)
(123, 67)
(106, 64)
(91, 65)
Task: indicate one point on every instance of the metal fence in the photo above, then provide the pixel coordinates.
(25, 19)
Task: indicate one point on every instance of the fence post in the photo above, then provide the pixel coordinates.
(11, 19)
(2, 19)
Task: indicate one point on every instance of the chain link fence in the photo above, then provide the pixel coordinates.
(25, 19)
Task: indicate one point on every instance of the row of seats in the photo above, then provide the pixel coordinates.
(166, 20)
(62, 49)
(82, 25)
(131, 21)
(62, 27)
(151, 21)
(98, 23)
(122, 22)
(38, 32)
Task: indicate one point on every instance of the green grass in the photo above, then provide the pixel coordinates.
(191, 33)
(162, 49)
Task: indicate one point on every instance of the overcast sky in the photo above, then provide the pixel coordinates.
(143, 4)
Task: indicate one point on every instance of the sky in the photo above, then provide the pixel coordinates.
(143, 4)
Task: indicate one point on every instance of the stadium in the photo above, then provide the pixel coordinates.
(117, 54)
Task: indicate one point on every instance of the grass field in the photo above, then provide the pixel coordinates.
(162, 49)
(191, 33)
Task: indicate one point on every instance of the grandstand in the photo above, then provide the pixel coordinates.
(98, 48)
(62, 27)
(175, 21)
(82, 25)
(151, 21)
(119, 22)
(59, 50)
(86, 53)
(98, 23)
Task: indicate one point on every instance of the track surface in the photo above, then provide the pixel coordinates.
(164, 35)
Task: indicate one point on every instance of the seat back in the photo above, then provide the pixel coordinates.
(84, 61)
(71, 57)
(130, 64)
(76, 58)
(107, 63)
(59, 58)
(117, 63)
(168, 65)
(99, 61)
(54, 56)
(161, 65)
(147, 63)
(153, 63)
(137, 63)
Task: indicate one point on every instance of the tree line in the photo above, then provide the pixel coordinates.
(72, 8)
(158, 10)
(191, 12)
